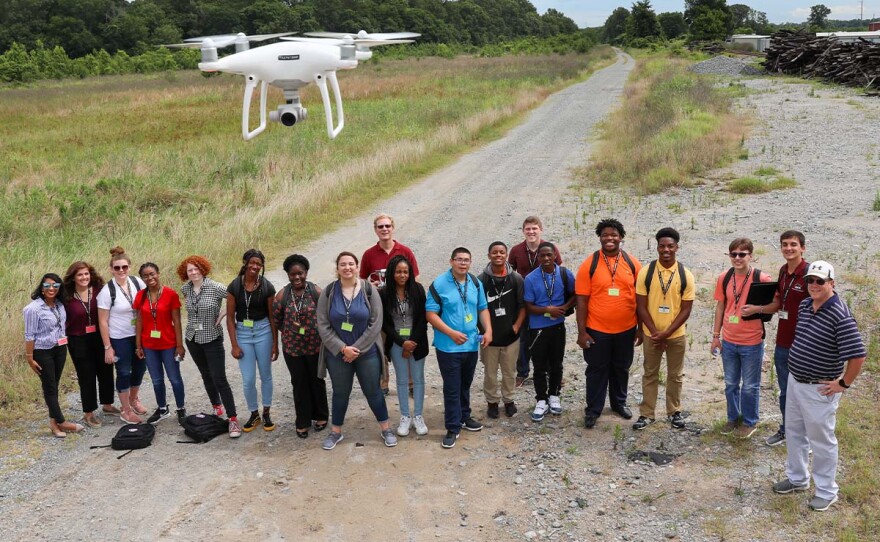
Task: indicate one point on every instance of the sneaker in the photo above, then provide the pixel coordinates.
(784, 487)
(492, 410)
(510, 409)
(472, 425)
(181, 414)
(520, 380)
(421, 428)
(160, 414)
(728, 428)
(820, 505)
(590, 420)
(234, 429)
(449, 439)
(218, 410)
(676, 420)
(389, 438)
(540, 409)
(130, 417)
(403, 428)
(642, 422)
(775, 439)
(745, 431)
(252, 422)
(138, 407)
(111, 411)
(268, 424)
(333, 438)
(555, 405)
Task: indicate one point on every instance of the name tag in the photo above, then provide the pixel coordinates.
(500, 311)
(664, 310)
(783, 315)
(302, 331)
(247, 323)
(547, 315)
(134, 321)
(405, 332)
(91, 329)
(346, 326)
(198, 327)
(614, 292)
(468, 318)
(62, 341)
(734, 319)
(155, 334)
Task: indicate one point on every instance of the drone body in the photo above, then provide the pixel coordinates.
(290, 65)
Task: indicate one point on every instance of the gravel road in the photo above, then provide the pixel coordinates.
(515, 480)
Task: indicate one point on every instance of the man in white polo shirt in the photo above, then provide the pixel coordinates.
(826, 357)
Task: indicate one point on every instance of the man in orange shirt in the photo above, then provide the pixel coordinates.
(607, 322)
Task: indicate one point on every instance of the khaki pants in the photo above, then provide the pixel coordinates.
(504, 357)
(675, 368)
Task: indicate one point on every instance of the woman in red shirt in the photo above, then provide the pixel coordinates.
(159, 339)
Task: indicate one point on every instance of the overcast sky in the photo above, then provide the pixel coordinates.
(594, 12)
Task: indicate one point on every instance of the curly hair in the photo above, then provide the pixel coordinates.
(96, 282)
(295, 259)
(610, 223)
(203, 265)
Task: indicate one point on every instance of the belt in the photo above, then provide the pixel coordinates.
(799, 381)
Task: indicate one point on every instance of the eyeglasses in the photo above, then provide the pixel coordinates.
(384, 226)
(462, 260)
(51, 285)
(814, 280)
(120, 268)
(739, 254)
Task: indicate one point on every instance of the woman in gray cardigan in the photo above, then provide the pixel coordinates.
(350, 325)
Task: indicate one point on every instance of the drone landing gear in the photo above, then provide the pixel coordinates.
(320, 80)
(249, 86)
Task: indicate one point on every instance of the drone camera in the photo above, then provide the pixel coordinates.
(288, 114)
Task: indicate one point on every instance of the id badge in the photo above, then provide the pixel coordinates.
(664, 309)
(405, 332)
(734, 319)
(302, 331)
(198, 327)
(62, 341)
(500, 311)
(468, 318)
(783, 315)
(247, 323)
(91, 329)
(134, 322)
(614, 292)
(347, 326)
(155, 334)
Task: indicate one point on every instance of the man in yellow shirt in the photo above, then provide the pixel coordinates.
(664, 298)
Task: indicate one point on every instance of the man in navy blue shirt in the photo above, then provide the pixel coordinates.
(549, 295)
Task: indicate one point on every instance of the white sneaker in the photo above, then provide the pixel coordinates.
(403, 428)
(540, 409)
(555, 405)
(421, 428)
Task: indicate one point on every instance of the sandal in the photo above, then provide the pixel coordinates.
(58, 433)
(302, 434)
(94, 423)
(320, 426)
(71, 428)
(112, 411)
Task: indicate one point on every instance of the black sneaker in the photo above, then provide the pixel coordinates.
(181, 414)
(252, 422)
(160, 414)
(472, 425)
(492, 410)
(510, 409)
(676, 420)
(268, 424)
(590, 421)
(775, 439)
(642, 422)
(449, 439)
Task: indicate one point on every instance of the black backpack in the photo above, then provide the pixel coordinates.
(131, 436)
(111, 284)
(203, 427)
(756, 277)
(626, 258)
(288, 291)
(682, 275)
(567, 295)
(436, 295)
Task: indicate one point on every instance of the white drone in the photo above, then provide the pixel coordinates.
(290, 65)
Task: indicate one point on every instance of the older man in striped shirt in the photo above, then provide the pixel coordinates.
(826, 357)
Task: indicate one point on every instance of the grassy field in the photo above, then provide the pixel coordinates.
(157, 165)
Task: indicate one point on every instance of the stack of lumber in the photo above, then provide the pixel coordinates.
(802, 53)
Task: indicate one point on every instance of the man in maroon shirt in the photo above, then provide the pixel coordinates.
(376, 258)
(792, 290)
(524, 259)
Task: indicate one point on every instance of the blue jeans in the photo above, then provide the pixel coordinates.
(457, 370)
(780, 360)
(256, 349)
(129, 369)
(403, 369)
(156, 360)
(742, 380)
(368, 370)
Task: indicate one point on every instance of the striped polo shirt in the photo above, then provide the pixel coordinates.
(823, 341)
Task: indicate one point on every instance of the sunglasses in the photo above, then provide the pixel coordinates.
(120, 268)
(814, 280)
(739, 254)
(51, 285)
(384, 226)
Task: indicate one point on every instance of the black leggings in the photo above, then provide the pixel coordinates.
(210, 358)
(87, 353)
(51, 363)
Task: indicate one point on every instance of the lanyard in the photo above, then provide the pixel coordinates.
(532, 261)
(402, 306)
(736, 295)
(549, 289)
(56, 312)
(499, 291)
(298, 305)
(247, 298)
(346, 301)
(664, 287)
(608, 265)
(462, 293)
(154, 309)
(86, 305)
(197, 299)
(126, 291)
(794, 277)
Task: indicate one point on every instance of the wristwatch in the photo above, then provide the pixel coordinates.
(842, 383)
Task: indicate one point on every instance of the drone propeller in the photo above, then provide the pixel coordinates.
(224, 40)
(363, 34)
(359, 42)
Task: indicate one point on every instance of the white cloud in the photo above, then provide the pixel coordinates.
(841, 12)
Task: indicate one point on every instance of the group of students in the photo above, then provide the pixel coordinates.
(512, 313)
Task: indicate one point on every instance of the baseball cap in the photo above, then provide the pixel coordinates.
(821, 269)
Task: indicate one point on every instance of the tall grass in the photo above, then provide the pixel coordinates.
(671, 126)
(157, 164)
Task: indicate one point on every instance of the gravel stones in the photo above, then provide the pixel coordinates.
(725, 65)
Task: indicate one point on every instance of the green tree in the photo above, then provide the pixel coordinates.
(615, 25)
(708, 24)
(819, 16)
(673, 24)
(642, 22)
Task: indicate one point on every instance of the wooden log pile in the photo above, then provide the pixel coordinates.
(802, 53)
